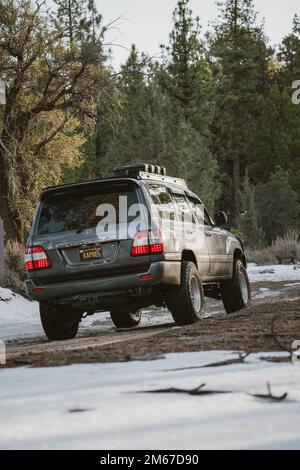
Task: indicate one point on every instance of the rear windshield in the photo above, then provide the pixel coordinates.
(77, 212)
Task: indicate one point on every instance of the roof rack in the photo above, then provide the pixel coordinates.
(147, 171)
(133, 170)
(162, 179)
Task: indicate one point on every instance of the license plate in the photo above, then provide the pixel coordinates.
(92, 253)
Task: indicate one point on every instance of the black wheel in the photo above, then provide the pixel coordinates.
(186, 301)
(236, 293)
(126, 319)
(59, 323)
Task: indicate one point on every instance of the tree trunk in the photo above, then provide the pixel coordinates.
(12, 231)
(98, 145)
(98, 138)
(237, 187)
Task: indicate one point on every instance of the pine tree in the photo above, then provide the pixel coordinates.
(240, 58)
(152, 129)
(140, 135)
(289, 55)
(187, 76)
(253, 234)
(186, 81)
(289, 61)
(271, 140)
(277, 205)
(68, 18)
(81, 25)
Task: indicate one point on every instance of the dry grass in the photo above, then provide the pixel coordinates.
(262, 257)
(287, 248)
(284, 250)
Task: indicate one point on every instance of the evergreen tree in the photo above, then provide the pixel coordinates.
(187, 84)
(240, 58)
(152, 129)
(270, 142)
(79, 23)
(140, 135)
(68, 18)
(186, 75)
(289, 61)
(277, 205)
(289, 55)
(253, 234)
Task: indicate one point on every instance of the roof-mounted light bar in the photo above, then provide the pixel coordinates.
(133, 170)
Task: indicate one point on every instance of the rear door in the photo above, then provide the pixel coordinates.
(85, 233)
(220, 263)
(193, 231)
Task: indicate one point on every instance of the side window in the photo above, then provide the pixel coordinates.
(163, 201)
(199, 212)
(184, 208)
(207, 219)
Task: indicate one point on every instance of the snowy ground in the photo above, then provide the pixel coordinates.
(19, 318)
(274, 273)
(35, 405)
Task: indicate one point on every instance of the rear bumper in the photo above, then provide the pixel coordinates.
(165, 272)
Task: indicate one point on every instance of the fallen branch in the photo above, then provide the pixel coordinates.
(193, 391)
(269, 395)
(79, 410)
(199, 391)
(227, 362)
(276, 358)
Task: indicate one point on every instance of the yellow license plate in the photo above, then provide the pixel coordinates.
(88, 254)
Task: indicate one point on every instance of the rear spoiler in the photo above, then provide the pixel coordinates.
(85, 186)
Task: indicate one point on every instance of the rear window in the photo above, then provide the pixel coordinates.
(77, 212)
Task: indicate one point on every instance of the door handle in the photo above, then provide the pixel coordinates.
(208, 234)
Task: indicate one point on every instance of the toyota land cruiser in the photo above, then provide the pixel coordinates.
(121, 244)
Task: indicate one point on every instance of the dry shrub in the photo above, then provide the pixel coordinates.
(262, 257)
(15, 272)
(287, 248)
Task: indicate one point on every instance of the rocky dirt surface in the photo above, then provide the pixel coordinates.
(272, 323)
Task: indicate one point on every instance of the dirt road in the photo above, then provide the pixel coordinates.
(272, 323)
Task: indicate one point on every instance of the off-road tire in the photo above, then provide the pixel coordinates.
(180, 299)
(126, 319)
(59, 323)
(236, 293)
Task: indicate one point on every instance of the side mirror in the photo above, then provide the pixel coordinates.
(221, 219)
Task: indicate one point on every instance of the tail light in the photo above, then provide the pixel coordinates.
(146, 243)
(36, 258)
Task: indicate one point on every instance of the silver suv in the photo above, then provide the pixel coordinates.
(138, 239)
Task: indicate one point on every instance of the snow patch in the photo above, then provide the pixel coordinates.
(19, 317)
(274, 273)
(264, 292)
(35, 405)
